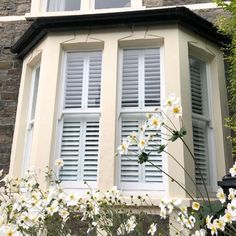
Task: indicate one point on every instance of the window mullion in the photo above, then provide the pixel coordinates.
(85, 83)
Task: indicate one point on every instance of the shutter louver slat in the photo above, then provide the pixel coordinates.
(70, 150)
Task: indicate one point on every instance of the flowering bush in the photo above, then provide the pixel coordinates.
(26, 209)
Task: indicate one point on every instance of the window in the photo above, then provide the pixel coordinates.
(141, 93)
(63, 5)
(102, 4)
(80, 117)
(31, 117)
(201, 119)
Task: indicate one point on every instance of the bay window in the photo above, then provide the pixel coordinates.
(141, 93)
(80, 114)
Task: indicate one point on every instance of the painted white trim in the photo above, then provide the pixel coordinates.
(12, 18)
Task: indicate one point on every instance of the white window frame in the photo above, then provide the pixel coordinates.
(30, 121)
(132, 187)
(80, 114)
(86, 6)
(208, 120)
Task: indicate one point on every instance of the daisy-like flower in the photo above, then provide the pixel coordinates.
(131, 224)
(153, 228)
(155, 122)
(121, 230)
(232, 170)
(195, 206)
(201, 232)
(71, 199)
(232, 193)
(228, 218)
(143, 142)
(132, 138)
(59, 162)
(124, 147)
(170, 101)
(208, 220)
(221, 195)
(177, 110)
(220, 223)
(213, 229)
(64, 214)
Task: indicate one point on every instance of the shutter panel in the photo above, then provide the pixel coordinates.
(152, 77)
(94, 87)
(131, 170)
(70, 145)
(74, 80)
(130, 82)
(91, 151)
(79, 150)
(196, 87)
(200, 153)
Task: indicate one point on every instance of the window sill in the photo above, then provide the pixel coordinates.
(33, 15)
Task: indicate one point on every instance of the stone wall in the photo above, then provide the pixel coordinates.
(10, 72)
(14, 7)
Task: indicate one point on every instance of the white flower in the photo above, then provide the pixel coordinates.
(177, 202)
(177, 110)
(59, 162)
(64, 214)
(132, 138)
(121, 230)
(208, 220)
(9, 229)
(228, 217)
(155, 122)
(190, 222)
(220, 223)
(1, 173)
(130, 224)
(124, 147)
(220, 195)
(195, 206)
(213, 229)
(170, 101)
(201, 232)
(143, 142)
(232, 170)
(152, 230)
(71, 200)
(232, 193)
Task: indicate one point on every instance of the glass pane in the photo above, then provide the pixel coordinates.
(63, 5)
(72, 5)
(35, 93)
(101, 4)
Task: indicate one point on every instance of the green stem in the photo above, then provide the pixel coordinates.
(197, 167)
(190, 177)
(180, 185)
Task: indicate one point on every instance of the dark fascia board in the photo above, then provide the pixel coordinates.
(163, 16)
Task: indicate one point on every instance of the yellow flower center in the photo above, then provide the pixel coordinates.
(10, 234)
(155, 122)
(142, 142)
(176, 110)
(169, 102)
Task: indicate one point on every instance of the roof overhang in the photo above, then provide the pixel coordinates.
(163, 16)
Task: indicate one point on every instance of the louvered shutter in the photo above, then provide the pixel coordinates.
(141, 78)
(130, 83)
(83, 80)
(79, 150)
(131, 170)
(80, 129)
(200, 120)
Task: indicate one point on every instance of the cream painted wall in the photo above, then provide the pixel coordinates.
(175, 45)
